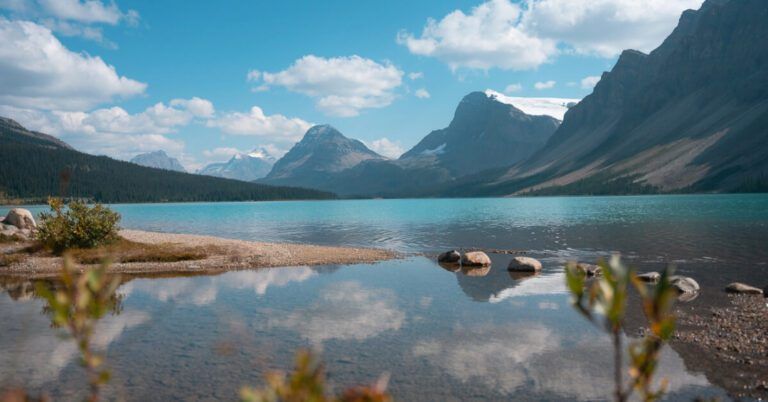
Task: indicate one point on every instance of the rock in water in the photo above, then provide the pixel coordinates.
(684, 284)
(742, 288)
(524, 264)
(449, 257)
(476, 270)
(651, 277)
(476, 259)
(21, 218)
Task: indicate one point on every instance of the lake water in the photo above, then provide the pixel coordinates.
(439, 335)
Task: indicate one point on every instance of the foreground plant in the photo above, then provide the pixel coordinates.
(307, 384)
(603, 301)
(76, 225)
(81, 301)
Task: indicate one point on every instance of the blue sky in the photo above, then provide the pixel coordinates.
(125, 77)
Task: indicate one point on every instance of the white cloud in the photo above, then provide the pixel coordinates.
(37, 71)
(384, 146)
(422, 93)
(72, 17)
(197, 106)
(416, 75)
(513, 36)
(222, 152)
(488, 37)
(253, 76)
(343, 86)
(512, 88)
(544, 85)
(114, 131)
(590, 82)
(276, 127)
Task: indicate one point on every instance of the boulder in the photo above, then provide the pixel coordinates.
(684, 284)
(524, 264)
(650, 277)
(589, 269)
(475, 259)
(449, 257)
(21, 218)
(742, 288)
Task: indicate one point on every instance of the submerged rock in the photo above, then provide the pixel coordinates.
(476, 259)
(449, 257)
(519, 276)
(21, 218)
(651, 277)
(742, 288)
(684, 285)
(524, 264)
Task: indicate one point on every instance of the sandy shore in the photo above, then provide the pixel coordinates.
(222, 255)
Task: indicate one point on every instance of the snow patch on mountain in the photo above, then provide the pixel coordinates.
(554, 107)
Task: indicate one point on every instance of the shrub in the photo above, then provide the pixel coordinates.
(76, 226)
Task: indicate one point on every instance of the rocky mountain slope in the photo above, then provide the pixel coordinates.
(245, 166)
(690, 116)
(159, 160)
(34, 166)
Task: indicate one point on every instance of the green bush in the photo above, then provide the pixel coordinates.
(76, 226)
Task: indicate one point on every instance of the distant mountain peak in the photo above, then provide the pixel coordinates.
(248, 166)
(158, 159)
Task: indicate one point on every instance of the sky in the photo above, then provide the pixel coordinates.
(203, 80)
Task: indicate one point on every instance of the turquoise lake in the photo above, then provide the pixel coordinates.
(438, 335)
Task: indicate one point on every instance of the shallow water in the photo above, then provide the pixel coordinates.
(439, 335)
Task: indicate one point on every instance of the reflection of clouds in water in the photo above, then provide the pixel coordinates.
(203, 290)
(492, 355)
(40, 354)
(345, 310)
(549, 284)
(529, 357)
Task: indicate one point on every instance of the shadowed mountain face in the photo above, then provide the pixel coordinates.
(159, 160)
(691, 115)
(323, 152)
(485, 133)
(13, 132)
(245, 167)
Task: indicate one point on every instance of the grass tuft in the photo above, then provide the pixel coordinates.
(126, 251)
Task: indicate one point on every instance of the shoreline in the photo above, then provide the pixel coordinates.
(222, 255)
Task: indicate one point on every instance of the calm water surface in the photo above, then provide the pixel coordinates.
(439, 335)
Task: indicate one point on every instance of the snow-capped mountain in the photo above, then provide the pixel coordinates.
(159, 160)
(554, 107)
(243, 166)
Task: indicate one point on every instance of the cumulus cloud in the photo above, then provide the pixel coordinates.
(38, 71)
(114, 131)
(520, 36)
(512, 88)
(544, 85)
(276, 127)
(489, 36)
(342, 86)
(384, 146)
(72, 17)
(589, 82)
(422, 93)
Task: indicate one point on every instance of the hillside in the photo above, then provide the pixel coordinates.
(33, 165)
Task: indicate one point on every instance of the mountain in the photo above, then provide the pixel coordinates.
(487, 131)
(34, 166)
(246, 167)
(323, 152)
(159, 160)
(690, 116)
